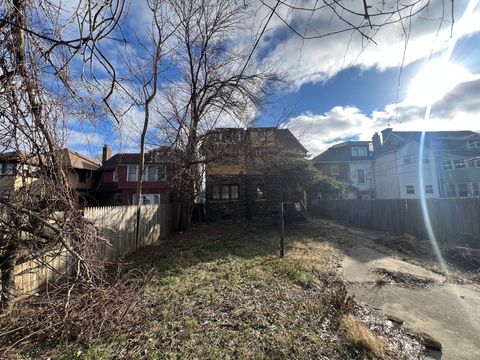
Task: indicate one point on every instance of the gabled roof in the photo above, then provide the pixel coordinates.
(159, 155)
(343, 152)
(451, 141)
(76, 160)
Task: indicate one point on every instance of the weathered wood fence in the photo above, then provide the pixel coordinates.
(450, 218)
(119, 226)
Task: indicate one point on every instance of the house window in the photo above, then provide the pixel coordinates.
(451, 190)
(115, 175)
(475, 189)
(118, 199)
(132, 173)
(334, 170)
(215, 192)
(473, 144)
(359, 151)
(154, 173)
(462, 190)
(260, 191)
(447, 165)
(459, 164)
(147, 199)
(428, 189)
(225, 192)
(7, 168)
(471, 163)
(407, 159)
(361, 176)
(410, 189)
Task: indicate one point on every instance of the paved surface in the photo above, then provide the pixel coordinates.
(448, 312)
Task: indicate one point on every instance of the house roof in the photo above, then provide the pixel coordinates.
(284, 136)
(450, 141)
(159, 155)
(342, 152)
(76, 160)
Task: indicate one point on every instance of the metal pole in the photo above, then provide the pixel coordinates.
(282, 238)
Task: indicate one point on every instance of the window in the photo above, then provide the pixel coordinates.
(459, 164)
(225, 192)
(215, 192)
(82, 176)
(115, 175)
(359, 151)
(428, 189)
(334, 170)
(147, 199)
(260, 191)
(154, 173)
(118, 199)
(447, 165)
(361, 176)
(7, 168)
(451, 190)
(132, 173)
(462, 190)
(407, 159)
(473, 144)
(471, 163)
(410, 189)
(475, 189)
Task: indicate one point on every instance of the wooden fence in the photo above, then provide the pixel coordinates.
(450, 218)
(118, 224)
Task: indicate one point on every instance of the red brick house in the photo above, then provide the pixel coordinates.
(350, 162)
(119, 175)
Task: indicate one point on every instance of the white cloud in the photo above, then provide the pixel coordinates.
(318, 60)
(457, 110)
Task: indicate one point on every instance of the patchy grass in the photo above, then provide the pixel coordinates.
(221, 291)
(360, 336)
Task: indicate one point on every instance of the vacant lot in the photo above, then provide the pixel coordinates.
(220, 291)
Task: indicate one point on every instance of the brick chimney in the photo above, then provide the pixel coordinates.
(376, 142)
(385, 133)
(107, 153)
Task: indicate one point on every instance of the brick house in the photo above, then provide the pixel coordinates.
(235, 188)
(119, 175)
(350, 162)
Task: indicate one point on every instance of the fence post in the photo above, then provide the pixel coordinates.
(282, 237)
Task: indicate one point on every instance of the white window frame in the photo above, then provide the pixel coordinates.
(457, 164)
(150, 173)
(359, 151)
(364, 177)
(429, 189)
(475, 189)
(337, 171)
(128, 173)
(458, 189)
(407, 189)
(447, 165)
(115, 175)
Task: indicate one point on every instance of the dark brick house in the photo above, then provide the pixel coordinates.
(119, 175)
(235, 188)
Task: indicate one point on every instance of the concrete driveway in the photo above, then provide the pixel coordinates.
(447, 311)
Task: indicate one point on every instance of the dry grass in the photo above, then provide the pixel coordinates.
(360, 336)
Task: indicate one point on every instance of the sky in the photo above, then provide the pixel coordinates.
(345, 87)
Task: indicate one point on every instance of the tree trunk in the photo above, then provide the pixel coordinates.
(7, 269)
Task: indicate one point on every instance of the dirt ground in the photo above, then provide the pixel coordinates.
(406, 283)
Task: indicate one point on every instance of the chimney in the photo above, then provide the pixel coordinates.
(385, 133)
(107, 153)
(376, 142)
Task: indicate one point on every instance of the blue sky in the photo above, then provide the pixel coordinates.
(339, 89)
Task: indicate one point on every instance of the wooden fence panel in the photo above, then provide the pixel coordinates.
(449, 218)
(119, 224)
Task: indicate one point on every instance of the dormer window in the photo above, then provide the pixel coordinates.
(359, 151)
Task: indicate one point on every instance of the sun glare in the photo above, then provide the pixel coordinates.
(434, 80)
